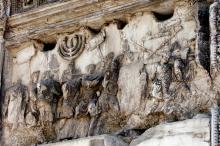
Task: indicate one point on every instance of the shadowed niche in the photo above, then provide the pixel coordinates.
(163, 16)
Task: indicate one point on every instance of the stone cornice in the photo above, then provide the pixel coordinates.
(49, 20)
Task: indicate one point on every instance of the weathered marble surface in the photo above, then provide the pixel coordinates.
(193, 132)
(102, 140)
(113, 73)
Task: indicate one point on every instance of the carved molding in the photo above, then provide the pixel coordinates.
(215, 37)
(45, 21)
(215, 126)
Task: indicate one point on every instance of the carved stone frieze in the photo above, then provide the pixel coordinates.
(115, 74)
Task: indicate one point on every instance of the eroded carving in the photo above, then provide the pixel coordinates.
(96, 41)
(16, 101)
(108, 99)
(70, 47)
(48, 91)
(71, 96)
(90, 87)
(163, 78)
(143, 76)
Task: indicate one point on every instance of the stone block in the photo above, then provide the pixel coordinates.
(193, 132)
(103, 140)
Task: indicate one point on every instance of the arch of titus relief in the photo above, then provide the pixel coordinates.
(109, 72)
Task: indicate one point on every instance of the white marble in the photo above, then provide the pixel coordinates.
(103, 140)
(193, 132)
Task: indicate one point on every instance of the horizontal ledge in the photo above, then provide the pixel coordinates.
(32, 25)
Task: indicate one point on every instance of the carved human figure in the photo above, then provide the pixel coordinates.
(70, 73)
(90, 91)
(108, 99)
(157, 89)
(165, 74)
(71, 95)
(178, 62)
(144, 83)
(33, 91)
(16, 101)
(94, 113)
(31, 117)
(91, 84)
(48, 92)
(106, 62)
(191, 62)
(163, 77)
(108, 103)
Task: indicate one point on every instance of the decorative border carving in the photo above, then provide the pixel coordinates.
(215, 126)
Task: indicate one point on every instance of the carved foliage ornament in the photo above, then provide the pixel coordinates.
(70, 47)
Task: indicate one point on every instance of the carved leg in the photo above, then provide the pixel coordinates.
(93, 125)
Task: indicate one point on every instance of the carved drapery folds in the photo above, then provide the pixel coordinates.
(70, 47)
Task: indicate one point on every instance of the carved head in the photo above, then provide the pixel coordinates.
(71, 65)
(91, 68)
(47, 75)
(176, 49)
(35, 76)
(165, 58)
(110, 55)
(16, 91)
(193, 44)
(157, 89)
(42, 91)
(92, 108)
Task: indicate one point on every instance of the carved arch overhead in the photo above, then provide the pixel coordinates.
(19, 6)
